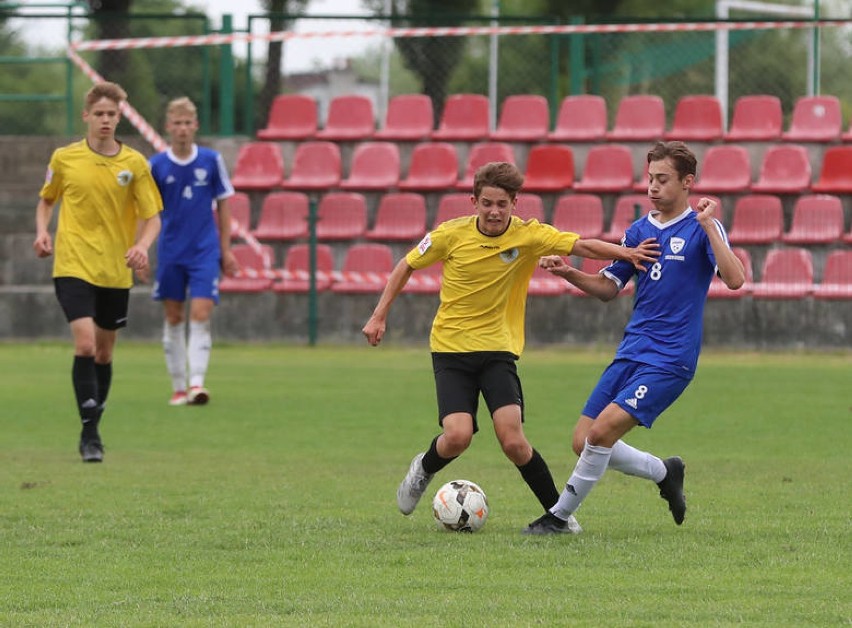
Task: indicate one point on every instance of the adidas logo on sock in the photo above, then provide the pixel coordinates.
(631, 402)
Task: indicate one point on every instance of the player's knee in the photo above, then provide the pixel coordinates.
(516, 448)
(456, 441)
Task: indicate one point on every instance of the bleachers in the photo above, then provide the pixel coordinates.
(776, 189)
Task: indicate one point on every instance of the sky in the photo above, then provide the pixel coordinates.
(302, 55)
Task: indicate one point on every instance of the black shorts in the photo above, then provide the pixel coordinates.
(80, 299)
(460, 377)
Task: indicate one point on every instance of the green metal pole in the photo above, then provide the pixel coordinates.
(206, 87)
(578, 61)
(226, 85)
(69, 82)
(554, 77)
(816, 50)
(313, 314)
(248, 89)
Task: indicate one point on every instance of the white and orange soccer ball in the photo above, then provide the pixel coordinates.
(460, 506)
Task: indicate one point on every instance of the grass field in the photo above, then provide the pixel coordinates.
(275, 504)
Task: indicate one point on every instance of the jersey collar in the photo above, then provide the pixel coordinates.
(663, 225)
(183, 162)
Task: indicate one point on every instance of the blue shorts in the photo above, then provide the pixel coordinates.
(173, 279)
(641, 390)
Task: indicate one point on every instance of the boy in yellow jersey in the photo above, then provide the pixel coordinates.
(107, 197)
(478, 332)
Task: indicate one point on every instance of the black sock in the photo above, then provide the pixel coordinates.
(537, 476)
(103, 374)
(86, 391)
(432, 462)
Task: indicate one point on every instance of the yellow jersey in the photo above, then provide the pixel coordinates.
(485, 281)
(102, 198)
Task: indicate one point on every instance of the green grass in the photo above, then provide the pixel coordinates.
(275, 504)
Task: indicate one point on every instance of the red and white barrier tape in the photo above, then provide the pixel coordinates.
(416, 280)
(459, 31)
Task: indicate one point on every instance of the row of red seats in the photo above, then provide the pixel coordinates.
(787, 273)
(726, 168)
(526, 117)
(402, 216)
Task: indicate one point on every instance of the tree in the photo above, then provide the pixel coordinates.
(272, 81)
(111, 18)
(432, 59)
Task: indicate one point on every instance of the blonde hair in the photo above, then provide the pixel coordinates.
(110, 91)
(182, 105)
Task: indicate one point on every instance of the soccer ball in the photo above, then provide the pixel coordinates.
(460, 506)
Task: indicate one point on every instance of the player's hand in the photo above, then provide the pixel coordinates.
(374, 330)
(143, 274)
(549, 262)
(646, 253)
(136, 257)
(705, 209)
(230, 265)
(43, 245)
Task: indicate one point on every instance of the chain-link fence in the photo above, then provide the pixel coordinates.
(40, 91)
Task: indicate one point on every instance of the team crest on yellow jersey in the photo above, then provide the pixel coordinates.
(509, 256)
(124, 178)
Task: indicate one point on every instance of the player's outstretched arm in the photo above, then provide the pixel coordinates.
(43, 243)
(646, 253)
(375, 327)
(596, 285)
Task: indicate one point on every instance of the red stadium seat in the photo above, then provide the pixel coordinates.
(239, 206)
(481, 154)
(316, 166)
(550, 168)
(579, 213)
(756, 118)
(425, 280)
(786, 274)
(835, 177)
(758, 219)
(625, 214)
(718, 289)
(786, 169)
(847, 137)
(375, 166)
(726, 169)
(434, 166)
(815, 119)
(296, 277)
(365, 269)
(453, 206)
(409, 118)
(283, 216)
(523, 118)
(291, 117)
(817, 219)
(545, 284)
(400, 217)
(350, 118)
(529, 207)
(697, 118)
(259, 167)
(609, 168)
(466, 117)
(640, 117)
(837, 276)
(341, 216)
(580, 119)
(255, 269)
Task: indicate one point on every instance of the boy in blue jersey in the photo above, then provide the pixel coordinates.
(191, 250)
(657, 357)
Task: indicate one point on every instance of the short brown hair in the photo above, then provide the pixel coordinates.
(110, 91)
(682, 157)
(498, 174)
(182, 105)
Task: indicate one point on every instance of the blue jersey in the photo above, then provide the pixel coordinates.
(189, 188)
(666, 325)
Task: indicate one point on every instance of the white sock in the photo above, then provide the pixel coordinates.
(200, 343)
(174, 345)
(590, 468)
(633, 461)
